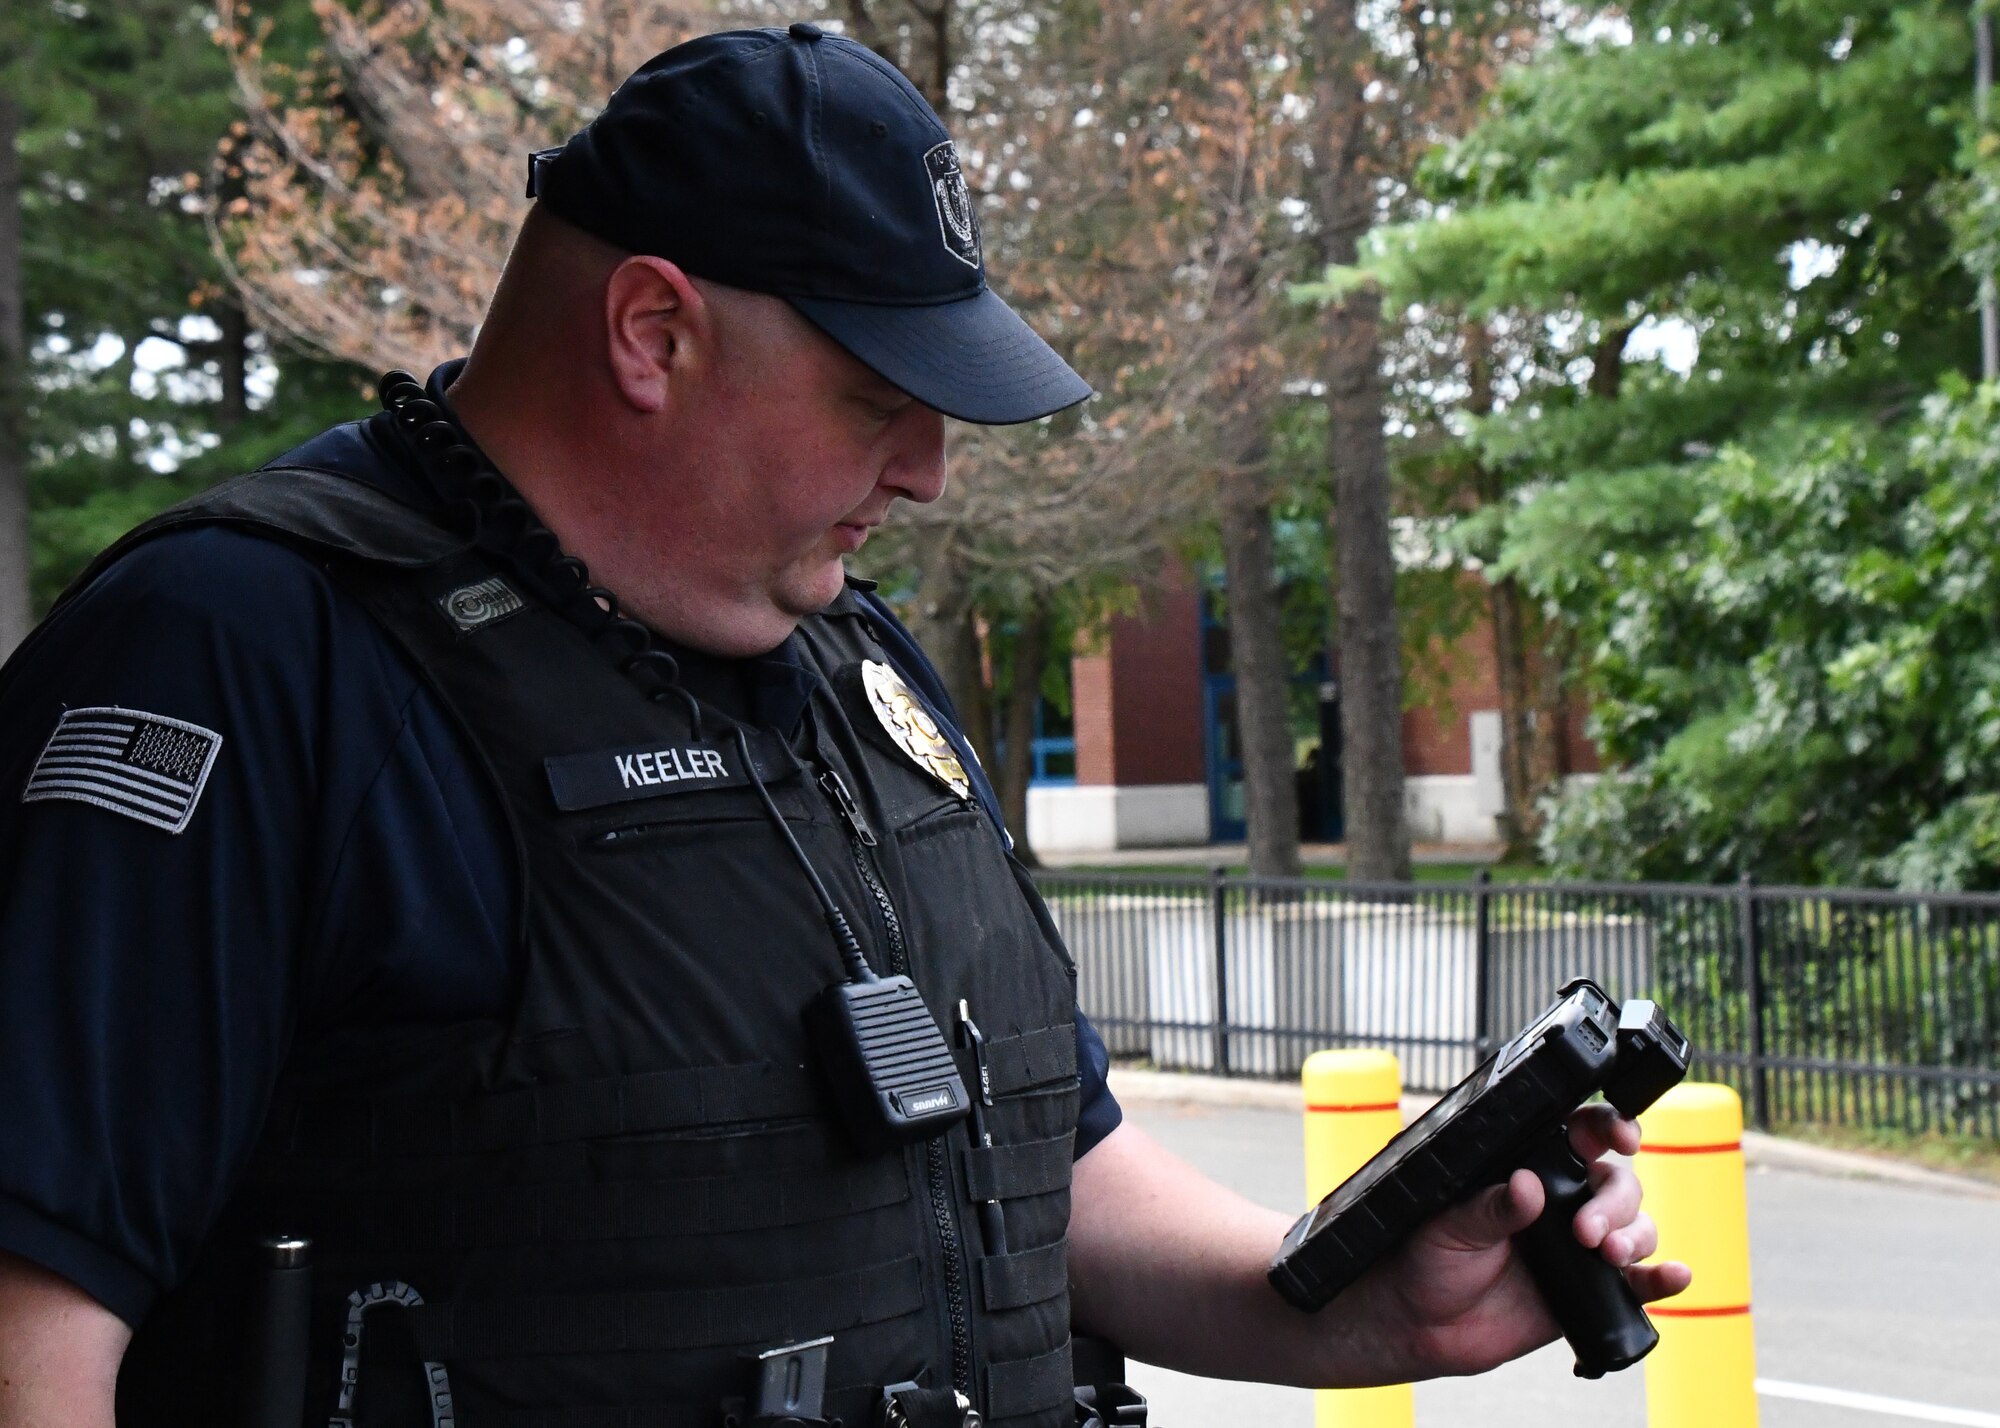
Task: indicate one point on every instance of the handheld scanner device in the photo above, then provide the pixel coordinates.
(1511, 1112)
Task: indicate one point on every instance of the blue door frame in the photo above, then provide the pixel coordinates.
(1222, 750)
(1223, 753)
(1222, 745)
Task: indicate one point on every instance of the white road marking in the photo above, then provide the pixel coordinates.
(1876, 1403)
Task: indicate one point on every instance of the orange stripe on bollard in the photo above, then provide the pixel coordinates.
(1691, 1149)
(1373, 1106)
(1721, 1311)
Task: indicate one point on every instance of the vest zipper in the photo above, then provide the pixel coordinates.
(860, 838)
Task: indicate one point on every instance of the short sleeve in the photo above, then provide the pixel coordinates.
(150, 976)
(1098, 1112)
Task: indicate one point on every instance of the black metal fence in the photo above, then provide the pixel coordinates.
(1817, 1005)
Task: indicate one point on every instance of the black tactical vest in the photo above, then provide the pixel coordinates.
(591, 1211)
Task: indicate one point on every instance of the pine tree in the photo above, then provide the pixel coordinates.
(121, 106)
(1772, 186)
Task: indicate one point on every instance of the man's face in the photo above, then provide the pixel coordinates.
(789, 452)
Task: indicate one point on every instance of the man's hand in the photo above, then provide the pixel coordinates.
(1464, 1296)
(1171, 1267)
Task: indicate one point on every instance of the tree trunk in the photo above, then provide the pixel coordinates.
(1548, 756)
(938, 89)
(234, 363)
(15, 551)
(1366, 640)
(1530, 653)
(1263, 683)
(1371, 657)
(1507, 605)
(1031, 646)
(947, 626)
(1519, 825)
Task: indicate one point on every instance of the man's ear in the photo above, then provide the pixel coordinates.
(658, 330)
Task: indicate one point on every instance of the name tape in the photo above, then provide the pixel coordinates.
(581, 781)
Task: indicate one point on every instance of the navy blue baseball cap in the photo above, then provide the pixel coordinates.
(800, 164)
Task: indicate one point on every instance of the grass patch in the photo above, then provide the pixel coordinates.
(1975, 1156)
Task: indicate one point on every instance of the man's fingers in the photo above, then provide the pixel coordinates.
(1631, 1244)
(1658, 1281)
(1593, 1130)
(1614, 1205)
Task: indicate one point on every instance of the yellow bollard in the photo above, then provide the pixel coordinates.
(1691, 1162)
(1353, 1109)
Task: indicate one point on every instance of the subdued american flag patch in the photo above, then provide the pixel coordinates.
(145, 766)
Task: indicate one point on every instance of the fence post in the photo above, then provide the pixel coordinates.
(1482, 962)
(1753, 993)
(1218, 897)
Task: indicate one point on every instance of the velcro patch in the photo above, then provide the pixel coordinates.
(484, 603)
(145, 766)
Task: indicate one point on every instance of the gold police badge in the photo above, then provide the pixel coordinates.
(916, 733)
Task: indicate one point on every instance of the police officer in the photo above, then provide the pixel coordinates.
(429, 844)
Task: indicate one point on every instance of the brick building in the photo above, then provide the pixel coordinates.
(1148, 758)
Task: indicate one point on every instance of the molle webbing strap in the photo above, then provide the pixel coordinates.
(543, 1115)
(660, 1320)
(425, 1218)
(1022, 1386)
(1035, 1058)
(1010, 1281)
(853, 1406)
(1008, 1172)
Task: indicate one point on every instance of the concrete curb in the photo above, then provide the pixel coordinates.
(1762, 1151)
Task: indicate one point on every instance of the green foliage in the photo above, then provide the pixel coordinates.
(1766, 552)
(130, 370)
(1614, 174)
(1435, 605)
(1802, 679)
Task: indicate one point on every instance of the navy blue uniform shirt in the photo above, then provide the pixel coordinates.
(344, 863)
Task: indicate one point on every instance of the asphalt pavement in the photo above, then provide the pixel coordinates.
(1864, 1290)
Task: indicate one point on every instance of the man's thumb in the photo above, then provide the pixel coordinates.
(1495, 1215)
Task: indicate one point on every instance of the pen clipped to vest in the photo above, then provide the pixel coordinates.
(1511, 1112)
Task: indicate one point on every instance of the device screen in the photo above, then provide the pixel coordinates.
(1412, 1135)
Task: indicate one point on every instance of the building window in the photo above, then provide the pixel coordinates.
(1055, 745)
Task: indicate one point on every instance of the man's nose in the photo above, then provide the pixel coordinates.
(916, 472)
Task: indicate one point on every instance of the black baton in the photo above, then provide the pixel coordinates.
(279, 1308)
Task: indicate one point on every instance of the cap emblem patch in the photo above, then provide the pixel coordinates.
(956, 220)
(915, 732)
